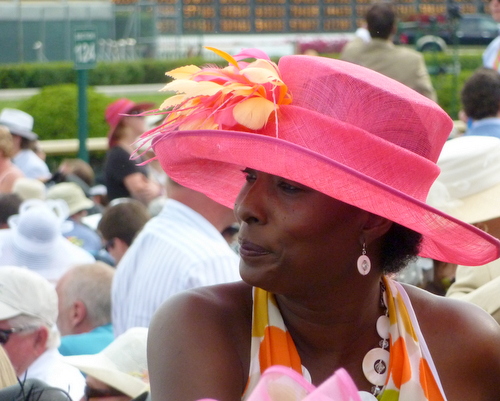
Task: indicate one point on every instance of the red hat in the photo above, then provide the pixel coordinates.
(117, 110)
(339, 128)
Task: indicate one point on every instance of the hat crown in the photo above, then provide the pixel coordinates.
(72, 194)
(38, 225)
(469, 183)
(16, 118)
(115, 109)
(25, 292)
(411, 121)
(19, 122)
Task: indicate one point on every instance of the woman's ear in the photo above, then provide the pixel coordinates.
(375, 227)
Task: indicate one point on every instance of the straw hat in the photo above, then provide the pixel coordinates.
(116, 111)
(341, 129)
(468, 187)
(121, 365)
(72, 194)
(29, 188)
(19, 123)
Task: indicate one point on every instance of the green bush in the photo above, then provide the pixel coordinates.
(55, 110)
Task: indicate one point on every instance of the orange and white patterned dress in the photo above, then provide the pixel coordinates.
(411, 372)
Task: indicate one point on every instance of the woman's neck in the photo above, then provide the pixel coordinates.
(337, 331)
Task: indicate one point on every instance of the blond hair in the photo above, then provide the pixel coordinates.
(6, 142)
(7, 372)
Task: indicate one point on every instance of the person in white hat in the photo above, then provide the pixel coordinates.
(35, 240)
(20, 125)
(78, 205)
(468, 188)
(120, 371)
(28, 333)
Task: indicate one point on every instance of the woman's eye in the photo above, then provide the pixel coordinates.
(287, 187)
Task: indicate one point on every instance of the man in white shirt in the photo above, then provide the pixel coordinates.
(179, 249)
(28, 333)
(20, 125)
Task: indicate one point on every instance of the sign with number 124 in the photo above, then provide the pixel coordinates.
(85, 49)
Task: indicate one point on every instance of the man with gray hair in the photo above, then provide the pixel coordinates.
(84, 319)
(28, 333)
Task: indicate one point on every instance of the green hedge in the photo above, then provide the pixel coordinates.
(40, 75)
(37, 75)
(54, 110)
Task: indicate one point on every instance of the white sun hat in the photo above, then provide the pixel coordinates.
(468, 187)
(121, 365)
(19, 123)
(35, 240)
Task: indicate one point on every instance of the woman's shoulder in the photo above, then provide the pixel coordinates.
(208, 306)
(206, 326)
(464, 342)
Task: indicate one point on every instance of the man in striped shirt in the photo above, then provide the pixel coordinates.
(180, 248)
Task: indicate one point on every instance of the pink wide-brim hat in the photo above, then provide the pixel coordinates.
(117, 110)
(350, 133)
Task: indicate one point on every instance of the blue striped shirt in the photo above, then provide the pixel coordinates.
(175, 251)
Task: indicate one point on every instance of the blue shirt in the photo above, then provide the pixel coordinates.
(87, 343)
(485, 127)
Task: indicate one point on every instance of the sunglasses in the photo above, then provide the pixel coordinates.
(5, 334)
(135, 112)
(95, 393)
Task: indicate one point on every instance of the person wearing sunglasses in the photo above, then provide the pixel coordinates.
(28, 332)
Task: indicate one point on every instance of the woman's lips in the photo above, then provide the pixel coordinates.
(249, 249)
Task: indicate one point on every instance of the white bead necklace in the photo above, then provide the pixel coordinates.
(376, 361)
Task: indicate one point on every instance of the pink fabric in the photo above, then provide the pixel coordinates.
(279, 383)
(350, 133)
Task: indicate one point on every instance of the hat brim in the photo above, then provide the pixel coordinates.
(479, 207)
(210, 161)
(82, 204)
(8, 312)
(22, 133)
(137, 106)
(104, 370)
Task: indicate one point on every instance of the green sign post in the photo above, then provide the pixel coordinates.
(85, 58)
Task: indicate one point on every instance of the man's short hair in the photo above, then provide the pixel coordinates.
(380, 20)
(9, 206)
(91, 284)
(123, 220)
(481, 94)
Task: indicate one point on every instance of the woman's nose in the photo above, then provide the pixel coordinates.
(250, 204)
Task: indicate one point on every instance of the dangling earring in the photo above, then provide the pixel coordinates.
(364, 264)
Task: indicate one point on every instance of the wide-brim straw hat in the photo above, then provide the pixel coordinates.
(348, 132)
(468, 186)
(121, 365)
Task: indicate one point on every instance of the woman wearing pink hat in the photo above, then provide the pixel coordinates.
(327, 165)
(123, 176)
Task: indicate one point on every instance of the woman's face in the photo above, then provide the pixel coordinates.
(136, 123)
(292, 235)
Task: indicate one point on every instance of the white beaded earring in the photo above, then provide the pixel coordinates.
(364, 263)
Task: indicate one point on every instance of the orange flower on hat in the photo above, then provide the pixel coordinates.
(241, 96)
